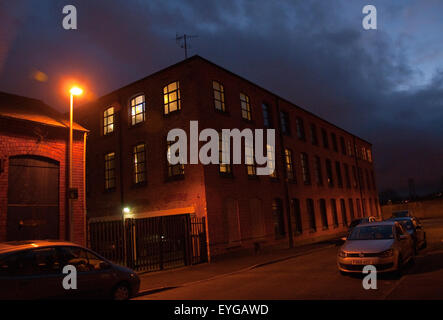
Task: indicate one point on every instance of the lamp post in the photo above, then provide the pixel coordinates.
(75, 91)
(126, 213)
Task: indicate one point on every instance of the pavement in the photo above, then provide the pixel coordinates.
(242, 261)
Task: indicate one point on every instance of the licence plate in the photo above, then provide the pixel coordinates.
(362, 262)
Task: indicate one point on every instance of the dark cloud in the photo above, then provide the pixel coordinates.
(383, 85)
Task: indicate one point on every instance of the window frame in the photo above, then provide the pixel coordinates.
(135, 164)
(108, 169)
(221, 92)
(167, 94)
(106, 123)
(133, 117)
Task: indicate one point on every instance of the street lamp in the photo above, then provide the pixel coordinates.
(75, 91)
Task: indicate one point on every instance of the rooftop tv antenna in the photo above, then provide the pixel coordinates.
(182, 41)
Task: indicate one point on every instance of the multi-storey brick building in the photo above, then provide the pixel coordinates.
(324, 175)
(34, 172)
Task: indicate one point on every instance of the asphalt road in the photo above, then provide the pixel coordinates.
(315, 276)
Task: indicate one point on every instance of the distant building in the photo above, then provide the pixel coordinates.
(327, 171)
(34, 172)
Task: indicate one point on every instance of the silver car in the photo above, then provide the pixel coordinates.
(385, 245)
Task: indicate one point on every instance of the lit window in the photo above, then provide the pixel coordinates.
(219, 96)
(171, 97)
(271, 158)
(349, 148)
(174, 170)
(139, 157)
(289, 165)
(108, 121)
(249, 160)
(305, 169)
(110, 171)
(369, 155)
(224, 149)
(138, 109)
(245, 107)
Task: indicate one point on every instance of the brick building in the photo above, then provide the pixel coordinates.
(324, 174)
(34, 172)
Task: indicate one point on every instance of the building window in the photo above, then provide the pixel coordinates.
(305, 169)
(108, 121)
(329, 177)
(289, 165)
(350, 153)
(285, 125)
(314, 137)
(325, 138)
(344, 216)
(363, 153)
(343, 145)
(311, 214)
(359, 208)
(351, 209)
(334, 142)
(369, 155)
(245, 107)
(171, 97)
(354, 175)
(138, 109)
(219, 96)
(267, 122)
(250, 160)
(323, 214)
(300, 129)
(318, 172)
(277, 214)
(298, 228)
(347, 176)
(139, 158)
(224, 168)
(110, 171)
(334, 212)
(174, 170)
(339, 176)
(271, 161)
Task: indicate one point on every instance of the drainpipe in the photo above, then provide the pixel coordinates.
(285, 178)
(358, 177)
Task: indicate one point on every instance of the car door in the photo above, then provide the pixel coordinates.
(95, 277)
(8, 282)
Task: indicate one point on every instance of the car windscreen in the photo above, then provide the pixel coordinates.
(381, 232)
(407, 224)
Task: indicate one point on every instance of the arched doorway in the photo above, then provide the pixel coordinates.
(33, 198)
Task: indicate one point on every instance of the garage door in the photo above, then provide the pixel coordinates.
(33, 198)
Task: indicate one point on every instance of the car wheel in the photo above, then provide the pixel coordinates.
(121, 292)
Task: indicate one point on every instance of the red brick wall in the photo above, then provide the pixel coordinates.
(19, 138)
(203, 187)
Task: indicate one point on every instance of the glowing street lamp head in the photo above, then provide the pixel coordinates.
(126, 210)
(76, 91)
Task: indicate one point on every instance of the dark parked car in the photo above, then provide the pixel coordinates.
(34, 270)
(415, 229)
(356, 222)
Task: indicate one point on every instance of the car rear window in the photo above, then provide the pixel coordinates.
(372, 233)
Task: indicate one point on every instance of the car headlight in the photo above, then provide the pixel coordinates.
(387, 253)
(342, 254)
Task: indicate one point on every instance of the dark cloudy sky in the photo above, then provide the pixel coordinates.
(385, 85)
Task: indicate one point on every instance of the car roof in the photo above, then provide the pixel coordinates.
(12, 246)
(401, 218)
(377, 223)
